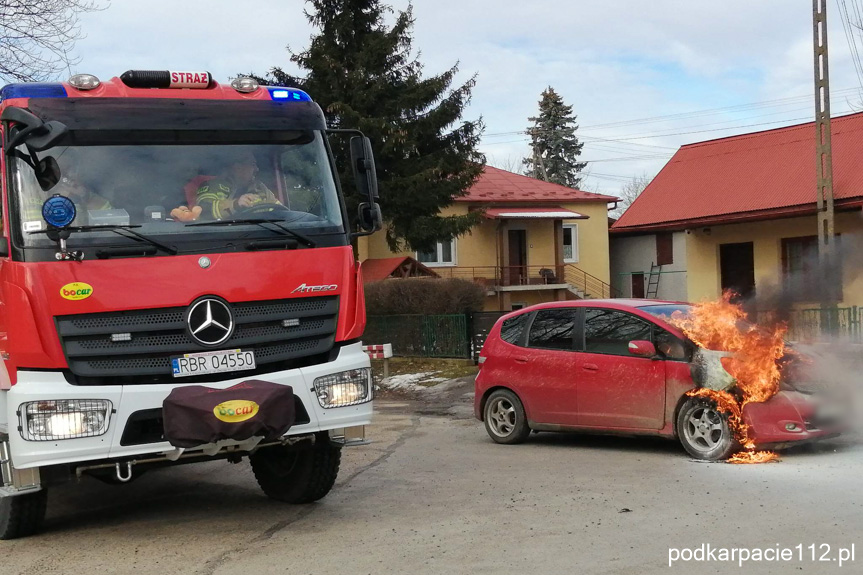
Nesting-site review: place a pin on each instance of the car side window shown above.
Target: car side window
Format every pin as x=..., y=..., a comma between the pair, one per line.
x=669, y=346
x=552, y=329
x=513, y=328
x=610, y=331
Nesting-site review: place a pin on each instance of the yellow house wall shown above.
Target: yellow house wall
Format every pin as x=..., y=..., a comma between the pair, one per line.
x=480, y=248
x=702, y=252
x=593, y=250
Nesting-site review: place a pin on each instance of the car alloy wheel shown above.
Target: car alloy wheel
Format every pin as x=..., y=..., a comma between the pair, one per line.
x=505, y=420
x=704, y=431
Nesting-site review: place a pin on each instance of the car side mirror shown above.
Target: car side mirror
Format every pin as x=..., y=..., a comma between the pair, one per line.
x=642, y=348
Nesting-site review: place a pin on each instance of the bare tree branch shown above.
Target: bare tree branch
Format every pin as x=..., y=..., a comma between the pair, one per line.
x=37, y=37
x=627, y=194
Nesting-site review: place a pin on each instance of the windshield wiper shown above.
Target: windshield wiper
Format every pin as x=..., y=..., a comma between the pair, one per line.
x=116, y=228
x=305, y=240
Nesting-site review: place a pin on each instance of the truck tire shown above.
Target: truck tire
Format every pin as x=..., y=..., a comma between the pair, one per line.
x=22, y=515
x=297, y=474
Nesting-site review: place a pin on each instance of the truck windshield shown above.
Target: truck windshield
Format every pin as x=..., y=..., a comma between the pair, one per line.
x=159, y=189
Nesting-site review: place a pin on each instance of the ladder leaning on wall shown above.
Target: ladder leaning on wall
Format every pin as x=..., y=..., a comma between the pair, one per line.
x=653, y=280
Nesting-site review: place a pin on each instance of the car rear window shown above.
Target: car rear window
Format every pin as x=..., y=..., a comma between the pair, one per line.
x=552, y=329
x=513, y=328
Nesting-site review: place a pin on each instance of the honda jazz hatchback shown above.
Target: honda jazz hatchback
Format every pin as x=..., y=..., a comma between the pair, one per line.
x=617, y=366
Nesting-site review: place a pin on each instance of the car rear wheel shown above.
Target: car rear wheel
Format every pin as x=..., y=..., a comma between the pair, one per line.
x=505, y=420
x=704, y=431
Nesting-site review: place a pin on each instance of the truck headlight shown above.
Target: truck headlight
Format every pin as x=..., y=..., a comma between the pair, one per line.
x=344, y=388
x=55, y=419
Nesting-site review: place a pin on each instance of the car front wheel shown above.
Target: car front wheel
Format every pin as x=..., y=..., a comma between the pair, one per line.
x=505, y=420
x=704, y=431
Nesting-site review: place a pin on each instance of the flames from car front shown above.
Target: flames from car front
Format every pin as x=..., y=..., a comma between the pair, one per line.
x=751, y=363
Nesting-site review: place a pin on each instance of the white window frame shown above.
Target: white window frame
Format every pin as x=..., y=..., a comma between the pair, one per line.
x=439, y=263
x=574, y=259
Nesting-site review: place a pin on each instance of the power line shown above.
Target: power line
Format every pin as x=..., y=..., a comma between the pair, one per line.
x=847, y=27
x=791, y=100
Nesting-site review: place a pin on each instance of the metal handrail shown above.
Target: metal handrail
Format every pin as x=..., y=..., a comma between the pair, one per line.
x=506, y=276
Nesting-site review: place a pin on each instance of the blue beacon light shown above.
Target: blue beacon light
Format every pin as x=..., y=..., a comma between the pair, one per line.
x=58, y=211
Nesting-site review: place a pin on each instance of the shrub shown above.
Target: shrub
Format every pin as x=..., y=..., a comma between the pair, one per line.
x=426, y=296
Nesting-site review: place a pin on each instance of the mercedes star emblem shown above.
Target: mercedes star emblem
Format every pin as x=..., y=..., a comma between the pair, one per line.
x=204, y=262
x=210, y=322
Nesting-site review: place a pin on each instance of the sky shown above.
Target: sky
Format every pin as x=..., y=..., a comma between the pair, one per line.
x=643, y=77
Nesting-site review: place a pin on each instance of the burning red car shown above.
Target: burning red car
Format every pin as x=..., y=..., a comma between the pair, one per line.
x=622, y=366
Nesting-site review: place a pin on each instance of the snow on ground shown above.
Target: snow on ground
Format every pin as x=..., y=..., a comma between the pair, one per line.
x=422, y=381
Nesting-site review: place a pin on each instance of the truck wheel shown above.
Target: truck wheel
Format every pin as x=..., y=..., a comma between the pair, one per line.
x=22, y=515
x=704, y=431
x=297, y=474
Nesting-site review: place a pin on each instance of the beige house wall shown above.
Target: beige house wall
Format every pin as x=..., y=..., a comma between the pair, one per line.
x=702, y=251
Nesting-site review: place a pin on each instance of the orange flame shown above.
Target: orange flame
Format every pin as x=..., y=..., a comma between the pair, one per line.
x=722, y=325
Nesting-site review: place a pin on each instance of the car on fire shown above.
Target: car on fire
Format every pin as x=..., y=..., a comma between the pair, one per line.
x=619, y=366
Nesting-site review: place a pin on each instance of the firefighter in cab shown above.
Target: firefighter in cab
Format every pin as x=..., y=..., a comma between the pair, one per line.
x=236, y=190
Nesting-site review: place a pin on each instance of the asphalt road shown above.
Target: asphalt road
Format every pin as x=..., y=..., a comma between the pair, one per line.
x=433, y=494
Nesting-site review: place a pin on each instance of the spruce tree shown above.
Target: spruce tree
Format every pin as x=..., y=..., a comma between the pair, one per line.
x=365, y=75
x=554, y=145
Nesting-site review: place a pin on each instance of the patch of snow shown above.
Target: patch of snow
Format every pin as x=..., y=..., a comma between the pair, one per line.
x=411, y=381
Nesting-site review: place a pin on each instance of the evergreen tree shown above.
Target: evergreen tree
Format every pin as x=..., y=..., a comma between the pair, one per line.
x=364, y=75
x=554, y=146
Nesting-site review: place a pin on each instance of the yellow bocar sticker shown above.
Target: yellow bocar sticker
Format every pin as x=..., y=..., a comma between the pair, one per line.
x=76, y=290
x=236, y=410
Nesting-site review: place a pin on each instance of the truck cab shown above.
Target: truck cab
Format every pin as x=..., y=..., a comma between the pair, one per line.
x=177, y=284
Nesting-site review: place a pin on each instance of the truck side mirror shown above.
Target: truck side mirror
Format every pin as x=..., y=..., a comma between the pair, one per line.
x=363, y=164
x=37, y=134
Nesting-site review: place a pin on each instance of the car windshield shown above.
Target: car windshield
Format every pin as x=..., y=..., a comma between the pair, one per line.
x=160, y=189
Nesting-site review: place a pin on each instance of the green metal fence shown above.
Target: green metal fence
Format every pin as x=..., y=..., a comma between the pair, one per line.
x=420, y=335
x=810, y=325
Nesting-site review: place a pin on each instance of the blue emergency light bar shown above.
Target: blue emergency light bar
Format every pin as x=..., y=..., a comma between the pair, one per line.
x=33, y=90
x=290, y=94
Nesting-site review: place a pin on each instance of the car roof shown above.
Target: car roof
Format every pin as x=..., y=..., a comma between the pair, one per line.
x=617, y=303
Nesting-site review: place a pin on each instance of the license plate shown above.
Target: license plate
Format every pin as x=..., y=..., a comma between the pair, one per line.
x=212, y=362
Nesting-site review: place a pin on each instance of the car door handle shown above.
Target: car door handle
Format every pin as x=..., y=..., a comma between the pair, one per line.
x=590, y=367
x=520, y=359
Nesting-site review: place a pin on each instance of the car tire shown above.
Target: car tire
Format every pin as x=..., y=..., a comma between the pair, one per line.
x=22, y=515
x=299, y=473
x=505, y=420
x=704, y=431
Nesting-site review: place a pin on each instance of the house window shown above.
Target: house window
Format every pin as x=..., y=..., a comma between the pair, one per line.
x=664, y=249
x=800, y=270
x=570, y=243
x=443, y=255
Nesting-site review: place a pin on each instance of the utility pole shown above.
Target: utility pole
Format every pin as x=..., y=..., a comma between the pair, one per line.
x=538, y=163
x=823, y=155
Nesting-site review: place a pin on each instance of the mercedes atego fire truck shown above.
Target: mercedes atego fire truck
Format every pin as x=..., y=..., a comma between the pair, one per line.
x=177, y=284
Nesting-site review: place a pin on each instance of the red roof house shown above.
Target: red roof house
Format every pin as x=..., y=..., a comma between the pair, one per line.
x=758, y=176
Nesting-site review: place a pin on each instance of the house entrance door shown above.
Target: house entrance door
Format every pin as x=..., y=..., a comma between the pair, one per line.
x=737, y=269
x=517, y=270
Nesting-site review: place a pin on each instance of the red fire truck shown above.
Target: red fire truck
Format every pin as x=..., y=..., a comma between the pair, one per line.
x=177, y=284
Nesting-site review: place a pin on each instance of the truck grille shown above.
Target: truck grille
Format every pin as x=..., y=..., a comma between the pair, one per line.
x=159, y=334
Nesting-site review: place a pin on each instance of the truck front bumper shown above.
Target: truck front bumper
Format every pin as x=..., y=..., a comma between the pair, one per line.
x=130, y=399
